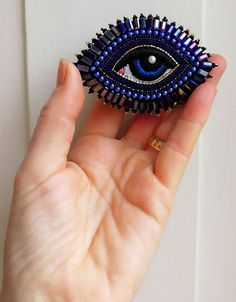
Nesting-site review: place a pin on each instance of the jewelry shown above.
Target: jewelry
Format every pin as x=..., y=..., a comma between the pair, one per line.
x=156, y=143
x=144, y=64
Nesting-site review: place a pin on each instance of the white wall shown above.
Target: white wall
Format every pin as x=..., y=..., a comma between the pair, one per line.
x=195, y=261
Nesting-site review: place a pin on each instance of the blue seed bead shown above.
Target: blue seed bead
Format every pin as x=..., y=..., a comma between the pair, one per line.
x=129, y=93
x=93, y=68
x=183, y=49
x=124, y=37
x=130, y=33
x=101, y=79
x=143, y=32
x=106, y=82
x=193, y=69
x=175, y=86
x=114, y=44
x=168, y=38
x=101, y=58
x=188, y=53
x=155, y=32
x=123, y=91
x=170, y=90
x=136, y=32
x=165, y=93
x=189, y=74
x=178, y=45
x=173, y=41
x=134, y=96
x=162, y=34
x=117, y=89
x=197, y=64
x=159, y=95
x=97, y=74
x=97, y=63
x=109, y=48
x=119, y=40
x=185, y=79
x=147, y=97
x=180, y=83
x=105, y=53
x=112, y=86
x=141, y=96
x=153, y=97
x=192, y=58
x=149, y=31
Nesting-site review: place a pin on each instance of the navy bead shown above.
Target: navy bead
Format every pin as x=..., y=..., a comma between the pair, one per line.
x=122, y=91
x=159, y=95
x=143, y=32
x=147, y=97
x=178, y=45
x=175, y=86
x=162, y=34
x=105, y=53
x=168, y=38
x=173, y=41
x=192, y=58
x=170, y=90
x=119, y=40
x=114, y=44
x=193, y=69
x=109, y=48
x=97, y=74
x=93, y=68
x=153, y=97
x=183, y=49
x=130, y=34
x=185, y=79
x=124, y=37
x=112, y=86
x=188, y=53
x=117, y=89
x=189, y=74
x=101, y=58
x=129, y=94
x=165, y=93
x=136, y=32
x=134, y=95
x=149, y=31
x=106, y=82
x=180, y=83
x=197, y=64
x=101, y=79
x=155, y=32
x=141, y=96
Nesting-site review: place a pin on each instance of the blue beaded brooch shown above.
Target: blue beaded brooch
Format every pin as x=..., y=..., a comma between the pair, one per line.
x=144, y=64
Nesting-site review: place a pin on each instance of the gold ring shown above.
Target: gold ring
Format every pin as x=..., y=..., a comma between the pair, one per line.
x=156, y=143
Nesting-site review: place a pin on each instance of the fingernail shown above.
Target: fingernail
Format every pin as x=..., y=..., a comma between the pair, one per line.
x=61, y=73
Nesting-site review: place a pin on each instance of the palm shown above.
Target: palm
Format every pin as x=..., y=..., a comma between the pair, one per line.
x=90, y=217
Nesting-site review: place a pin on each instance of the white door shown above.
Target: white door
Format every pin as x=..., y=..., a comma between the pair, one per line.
x=196, y=259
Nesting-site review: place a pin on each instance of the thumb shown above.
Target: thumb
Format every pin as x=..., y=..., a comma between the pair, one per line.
x=52, y=137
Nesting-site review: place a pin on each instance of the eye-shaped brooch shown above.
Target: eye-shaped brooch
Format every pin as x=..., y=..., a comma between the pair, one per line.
x=144, y=64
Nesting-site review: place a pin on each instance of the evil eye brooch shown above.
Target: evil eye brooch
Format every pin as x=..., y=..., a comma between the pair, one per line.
x=144, y=64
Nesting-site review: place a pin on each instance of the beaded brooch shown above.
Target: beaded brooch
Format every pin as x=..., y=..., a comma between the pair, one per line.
x=144, y=64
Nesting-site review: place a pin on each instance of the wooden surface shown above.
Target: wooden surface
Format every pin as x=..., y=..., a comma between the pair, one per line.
x=196, y=258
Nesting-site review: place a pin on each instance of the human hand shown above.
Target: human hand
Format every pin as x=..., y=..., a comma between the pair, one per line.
x=86, y=219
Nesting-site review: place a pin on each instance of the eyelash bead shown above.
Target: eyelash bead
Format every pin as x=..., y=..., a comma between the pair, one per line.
x=144, y=64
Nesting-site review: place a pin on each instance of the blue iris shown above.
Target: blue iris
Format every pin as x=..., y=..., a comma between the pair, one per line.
x=144, y=73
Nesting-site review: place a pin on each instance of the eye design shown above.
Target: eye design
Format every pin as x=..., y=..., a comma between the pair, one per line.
x=144, y=64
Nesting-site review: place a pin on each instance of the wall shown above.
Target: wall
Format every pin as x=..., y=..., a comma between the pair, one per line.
x=195, y=261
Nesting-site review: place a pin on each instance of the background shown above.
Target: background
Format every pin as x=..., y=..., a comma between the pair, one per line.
x=196, y=259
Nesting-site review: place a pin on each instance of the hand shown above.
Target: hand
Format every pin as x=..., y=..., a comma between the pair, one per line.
x=86, y=220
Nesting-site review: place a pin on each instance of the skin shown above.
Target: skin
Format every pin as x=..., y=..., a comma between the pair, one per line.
x=87, y=218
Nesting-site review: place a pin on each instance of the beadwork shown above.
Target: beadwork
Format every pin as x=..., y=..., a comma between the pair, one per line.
x=144, y=64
